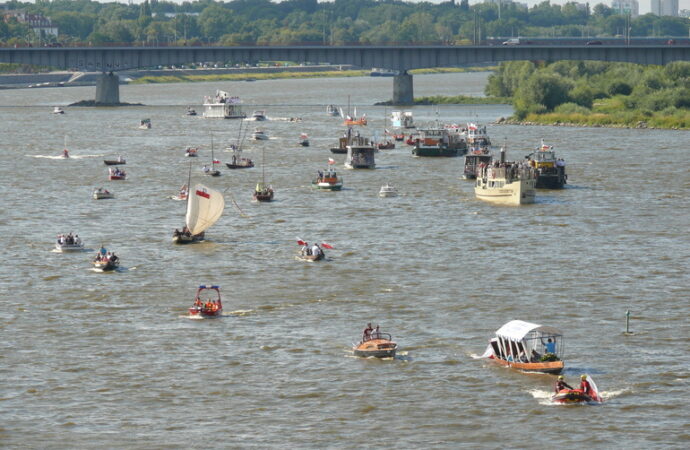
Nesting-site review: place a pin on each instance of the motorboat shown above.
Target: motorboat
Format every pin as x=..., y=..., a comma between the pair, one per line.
x=223, y=106
x=115, y=173
x=332, y=110
x=376, y=345
x=191, y=152
x=360, y=157
x=402, y=119
x=259, y=115
x=259, y=135
x=549, y=169
x=207, y=303
x=263, y=192
x=528, y=347
x=190, y=111
x=304, y=140
x=204, y=208
x=115, y=162
x=58, y=110
x=505, y=183
x=102, y=194
x=387, y=190
x=66, y=243
x=328, y=180
x=145, y=124
x=575, y=396
x=106, y=262
x=312, y=253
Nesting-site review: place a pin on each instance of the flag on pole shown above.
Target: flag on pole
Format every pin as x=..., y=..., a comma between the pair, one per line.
x=216, y=161
x=326, y=245
x=301, y=242
x=331, y=161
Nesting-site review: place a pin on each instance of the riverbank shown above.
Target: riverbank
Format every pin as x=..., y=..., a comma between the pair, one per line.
x=639, y=121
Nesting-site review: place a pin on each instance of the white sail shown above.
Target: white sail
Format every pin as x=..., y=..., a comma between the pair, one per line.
x=204, y=208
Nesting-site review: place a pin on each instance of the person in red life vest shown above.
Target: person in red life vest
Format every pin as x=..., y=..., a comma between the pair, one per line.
x=585, y=386
x=366, y=334
x=561, y=384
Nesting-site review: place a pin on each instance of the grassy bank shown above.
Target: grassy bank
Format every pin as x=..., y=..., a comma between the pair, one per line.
x=183, y=78
x=620, y=120
x=461, y=100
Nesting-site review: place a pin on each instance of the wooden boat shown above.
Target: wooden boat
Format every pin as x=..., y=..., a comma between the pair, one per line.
x=223, y=106
x=102, y=194
x=388, y=190
x=259, y=115
x=115, y=173
x=505, y=183
x=191, y=152
x=115, y=162
x=527, y=346
x=328, y=180
x=304, y=140
x=263, y=192
x=68, y=243
x=549, y=169
x=378, y=345
x=106, y=263
x=204, y=208
x=145, y=124
x=207, y=304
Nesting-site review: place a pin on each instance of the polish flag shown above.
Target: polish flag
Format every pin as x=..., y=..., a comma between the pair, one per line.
x=326, y=245
x=331, y=161
x=203, y=193
x=301, y=242
x=216, y=161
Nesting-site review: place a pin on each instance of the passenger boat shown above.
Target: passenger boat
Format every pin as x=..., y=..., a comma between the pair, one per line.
x=115, y=162
x=66, y=243
x=223, y=106
x=388, y=190
x=360, y=157
x=402, y=119
x=145, y=124
x=550, y=170
x=477, y=139
x=349, y=139
x=115, y=173
x=332, y=110
x=259, y=115
x=473, y=160
x=207, y=303
x=191, y=152
x=328, y=180
x=204, y=208
x=106, y=263
x=439, y=141
x=574, y=396
x=505, y=183
x=58, y=110
x=527, y=346
x=377, y=345
x=190, y=111
x=304, y=140
x=263, y=192
x=259, y=135
x=102, y=194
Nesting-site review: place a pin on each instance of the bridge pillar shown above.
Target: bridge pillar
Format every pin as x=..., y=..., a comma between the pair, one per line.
x=402, y=89
x=108, y=89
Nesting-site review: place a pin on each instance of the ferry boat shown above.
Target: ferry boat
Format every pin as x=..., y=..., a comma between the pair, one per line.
x=402, y=119
x=526, y=346
x=505, y=183
x=360, y=157
x=209, y=308
x=223, y=106
x=550, y=170
x=377, y=345
x=439, y=142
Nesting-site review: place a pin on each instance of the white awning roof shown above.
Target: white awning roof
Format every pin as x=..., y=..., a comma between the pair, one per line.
x=516, y=330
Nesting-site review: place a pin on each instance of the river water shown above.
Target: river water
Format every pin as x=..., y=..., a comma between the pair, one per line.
x=109, y=360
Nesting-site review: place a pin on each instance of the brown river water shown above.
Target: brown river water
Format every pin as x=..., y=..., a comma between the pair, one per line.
x=93, y=360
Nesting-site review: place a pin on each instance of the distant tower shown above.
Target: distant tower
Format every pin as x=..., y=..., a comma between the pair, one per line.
x=665, y=7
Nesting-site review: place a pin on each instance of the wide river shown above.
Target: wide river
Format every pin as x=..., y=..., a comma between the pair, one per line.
x=93, y=360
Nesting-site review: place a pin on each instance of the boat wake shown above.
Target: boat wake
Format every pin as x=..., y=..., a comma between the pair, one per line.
x=71, y=156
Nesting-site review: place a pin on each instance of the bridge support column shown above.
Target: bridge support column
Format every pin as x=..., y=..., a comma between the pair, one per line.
x=402, y=89
x=108, y=89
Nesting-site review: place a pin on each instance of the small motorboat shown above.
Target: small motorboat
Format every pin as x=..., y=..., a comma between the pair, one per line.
x=114, y=162
x=190, y=111
x=259, y=135
x=191, y=152
x=145, y=124
x=304, y=140
x=106, y=262
x=312, y=253
x=58, y=110
x=388, y=145
x=388, y=190
x=115, y=173
x=332, y=110
x=182, y=195
x=69, y=243
x=399, y=137
x=263, y=192
x=377, y=345
x=102, y=194
x=207, y=303
x=259, y=115
x=328, y=180
x=568, y=395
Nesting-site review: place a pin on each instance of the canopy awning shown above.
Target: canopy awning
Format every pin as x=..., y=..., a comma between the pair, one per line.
x=516, y=330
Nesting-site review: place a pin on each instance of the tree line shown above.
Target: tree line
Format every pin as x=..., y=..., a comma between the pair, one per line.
x=341, y=22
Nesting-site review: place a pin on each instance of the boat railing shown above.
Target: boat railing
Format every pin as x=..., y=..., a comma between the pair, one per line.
x=377, y=335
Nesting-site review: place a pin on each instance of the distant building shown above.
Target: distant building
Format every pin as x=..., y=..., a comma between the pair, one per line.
x=631, y=7
x=665, y=7
x=684, y=13
x=40, y=24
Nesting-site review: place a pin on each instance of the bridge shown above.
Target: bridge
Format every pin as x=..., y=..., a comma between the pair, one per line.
x=400, y=58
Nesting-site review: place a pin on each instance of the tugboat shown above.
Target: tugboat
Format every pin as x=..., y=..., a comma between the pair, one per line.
x=550, y=170
x=375, y=344
x=211, y=307
x=505, y=183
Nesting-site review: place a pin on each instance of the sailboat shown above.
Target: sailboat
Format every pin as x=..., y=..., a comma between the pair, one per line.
x=204, y=208
x=212, y=171
x=386, y=143
x=238, y=161
x=263, y=192
x=352, y=120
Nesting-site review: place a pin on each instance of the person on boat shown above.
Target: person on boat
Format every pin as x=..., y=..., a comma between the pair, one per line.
x=113, y=258
x=206, y=169
x=320, y=175
x=561, y=384
x=585, y=386
x=376, y=334
x=316, y=251
x=65, y=153
x=366, y=334
x=550, y=346
x=306, y=251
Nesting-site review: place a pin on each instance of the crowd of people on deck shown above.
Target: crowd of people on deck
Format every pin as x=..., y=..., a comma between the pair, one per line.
x=313, y=250
x=209, y=306
x=105, y=256
x=117, y=172
x=370, y=333
x=185, y=232
x=508, y=170
x=329, y=174
x=68, y=239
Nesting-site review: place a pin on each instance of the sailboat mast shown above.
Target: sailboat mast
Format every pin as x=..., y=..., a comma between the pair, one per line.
x=189, y=190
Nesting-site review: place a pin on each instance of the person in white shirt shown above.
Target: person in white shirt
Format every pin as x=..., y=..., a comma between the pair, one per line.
x=316, y=250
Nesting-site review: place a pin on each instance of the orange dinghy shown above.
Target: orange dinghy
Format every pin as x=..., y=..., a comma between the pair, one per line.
x=377, y=344
x=528, y=347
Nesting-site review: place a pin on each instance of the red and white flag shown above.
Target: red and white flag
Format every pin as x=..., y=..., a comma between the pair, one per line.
x=216, y=161
x=203, y=193
x=331, y=161
x=326, y=245
x=301, y=242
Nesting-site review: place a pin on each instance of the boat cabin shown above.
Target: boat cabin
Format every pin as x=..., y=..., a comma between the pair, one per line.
x=527, y=346
x=360, y=157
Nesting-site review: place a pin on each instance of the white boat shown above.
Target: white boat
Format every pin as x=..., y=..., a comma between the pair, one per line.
x=259, y=115
x=388, y=190
x=191, y=152
x=332, y=110
x=506, y=183
x=259, y=135
x=223, y=106
x=145, y=124
x=102, y=194
x=58, y=110
x=402, y=119
x=204, y=208
x=67, y=243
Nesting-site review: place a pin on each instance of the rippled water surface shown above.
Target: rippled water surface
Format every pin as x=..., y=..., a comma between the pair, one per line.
x=109, y=360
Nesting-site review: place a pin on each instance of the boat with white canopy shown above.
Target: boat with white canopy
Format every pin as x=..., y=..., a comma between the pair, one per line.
x=527, y=346
x=204, y=208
